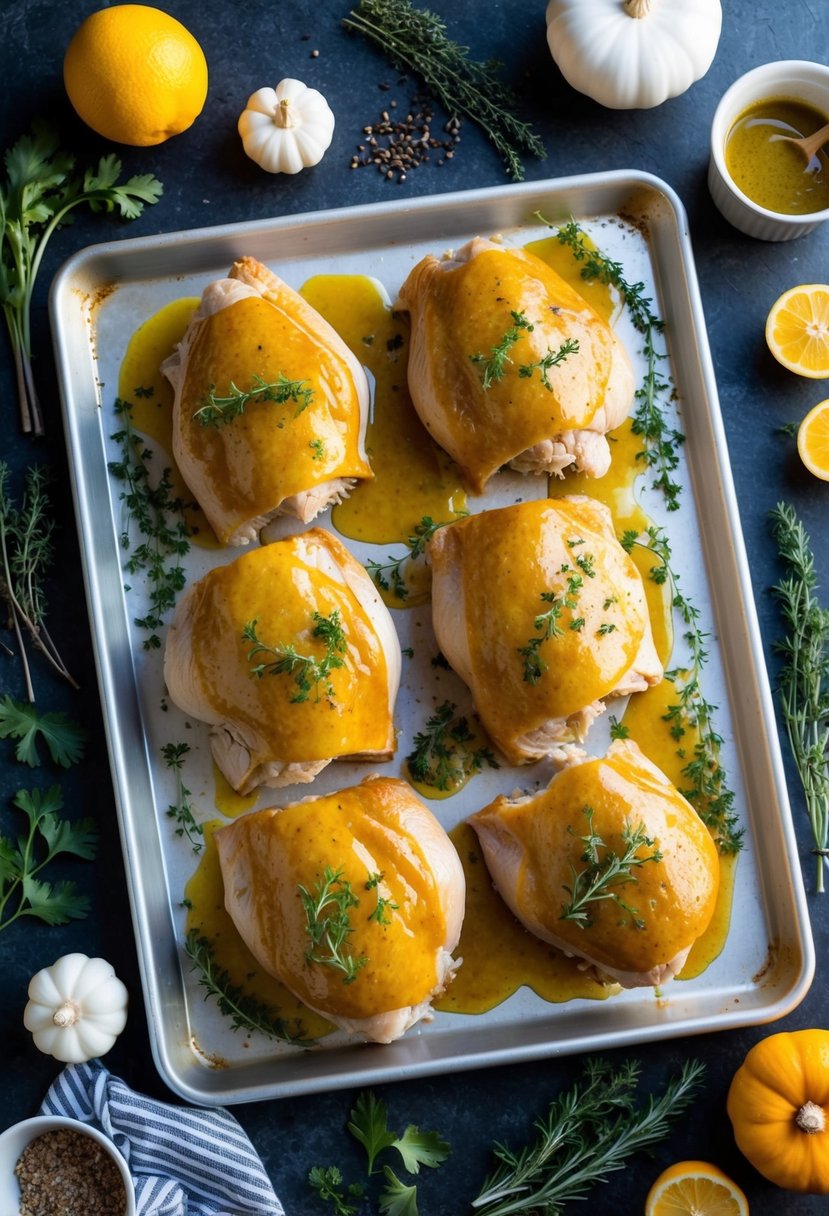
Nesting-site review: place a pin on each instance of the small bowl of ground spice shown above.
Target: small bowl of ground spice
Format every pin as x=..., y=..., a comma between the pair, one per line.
x=51, y=1166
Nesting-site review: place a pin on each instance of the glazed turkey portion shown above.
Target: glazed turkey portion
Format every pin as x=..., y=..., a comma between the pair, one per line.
x=489, y=409
x=542, y=613
x=291, y=450
x=642, y=925
x=374, y=854
x=291, y=656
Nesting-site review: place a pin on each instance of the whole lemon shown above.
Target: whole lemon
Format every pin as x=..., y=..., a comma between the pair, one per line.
x=135, y=75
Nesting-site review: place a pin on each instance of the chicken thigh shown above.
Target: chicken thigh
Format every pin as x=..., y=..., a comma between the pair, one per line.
x=609, y=863
x=508, y=364
x=354, y=901
x=291, y=656
x=542, y=613
x=271, y=407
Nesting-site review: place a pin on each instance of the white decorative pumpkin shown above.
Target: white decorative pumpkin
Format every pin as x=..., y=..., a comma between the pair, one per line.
x=287, y=128
x=633, y=54
x=76, y=1009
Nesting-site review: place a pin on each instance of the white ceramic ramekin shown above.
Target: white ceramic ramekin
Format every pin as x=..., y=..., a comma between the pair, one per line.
x=796, y=80
x=15, y=1138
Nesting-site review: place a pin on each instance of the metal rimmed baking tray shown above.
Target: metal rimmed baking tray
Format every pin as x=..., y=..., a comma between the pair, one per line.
x=98, y=299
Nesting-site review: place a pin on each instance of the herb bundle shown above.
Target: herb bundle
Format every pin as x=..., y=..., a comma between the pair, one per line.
x=38, y=195
x=25, y=554
x=416, y=39
x=804, y=675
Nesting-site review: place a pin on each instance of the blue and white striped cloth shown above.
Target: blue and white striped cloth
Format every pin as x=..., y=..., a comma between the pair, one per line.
x=184, y=1160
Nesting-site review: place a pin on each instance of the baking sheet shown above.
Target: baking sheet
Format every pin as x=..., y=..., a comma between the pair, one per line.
x=98, y=299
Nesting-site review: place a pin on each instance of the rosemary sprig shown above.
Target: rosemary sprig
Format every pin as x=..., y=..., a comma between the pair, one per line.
x=442, y=757
x=551, y=359
x=416, y=39
x=181, y=810
x=708, y=790
x=328, y=924
x=605, y=871
x=244, y=1011
x=587, y=1133
x=157, y=515
x=494, y=365
x=661, y=440
x=217, y=411
x=804, y=674
x=25, y=555
x=310, y=674
x=391, y=575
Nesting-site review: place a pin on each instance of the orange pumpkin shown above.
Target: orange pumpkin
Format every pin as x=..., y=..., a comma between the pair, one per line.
x=778, y=1105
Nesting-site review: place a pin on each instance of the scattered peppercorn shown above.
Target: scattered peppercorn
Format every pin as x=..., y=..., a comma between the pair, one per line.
x=67, y=1173
x=398, y=145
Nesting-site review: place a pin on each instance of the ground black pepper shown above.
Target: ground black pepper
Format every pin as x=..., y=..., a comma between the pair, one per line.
x=396, y=145
x=67, y=1173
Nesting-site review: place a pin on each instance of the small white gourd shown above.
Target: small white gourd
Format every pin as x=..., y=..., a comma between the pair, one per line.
x=287, y=128
x=633, y=54
x=76, y=1008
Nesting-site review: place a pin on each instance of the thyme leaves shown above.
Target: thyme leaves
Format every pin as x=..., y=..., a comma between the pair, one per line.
x=217, y=411
x=391, y=575
x=494, y=365
x=328, y=924
x=181, y=811
x=445, y=754
x=310, y=674
x=606, y=870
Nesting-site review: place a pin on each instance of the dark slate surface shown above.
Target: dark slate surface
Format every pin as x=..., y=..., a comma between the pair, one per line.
x=208, y=180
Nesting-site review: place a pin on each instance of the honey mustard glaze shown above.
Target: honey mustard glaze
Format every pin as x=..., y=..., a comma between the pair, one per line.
x=413, y=479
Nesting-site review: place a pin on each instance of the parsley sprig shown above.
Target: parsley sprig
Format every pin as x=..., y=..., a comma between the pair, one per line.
x=37, y=197
x=63, y=736
x=442, y=757
x=158, y=515
x=244, y=1011
x=416, y=39
x=708, y=790
x=661, y=440
x=25, y=555
x=23, y=892
x=328, y=924
x=804, y=673
x=310, y=674
x=218, y=411
x=605, y=871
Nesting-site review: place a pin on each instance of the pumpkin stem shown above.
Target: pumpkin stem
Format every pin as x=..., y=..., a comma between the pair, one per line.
x=283, y=114
x=811, y=1118
x=639, y=8
x=68, y=1014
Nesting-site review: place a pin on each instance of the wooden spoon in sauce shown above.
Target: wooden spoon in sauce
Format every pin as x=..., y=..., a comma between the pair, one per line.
x=809, y=145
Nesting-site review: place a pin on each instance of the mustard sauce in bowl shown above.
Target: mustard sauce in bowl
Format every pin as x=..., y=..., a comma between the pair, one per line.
x=770, y=171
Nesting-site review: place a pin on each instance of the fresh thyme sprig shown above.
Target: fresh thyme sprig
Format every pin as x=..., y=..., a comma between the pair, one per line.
x=588, y=1133
x=494, y=365
x=708, y=791
x=39, y=193
x=328, y=924
x=217, y=411
x=158, y=516
x=244, y=1011
x=181, y=810
x=442, y=757
x=548, y=624
x=25, y=555
x=661, y=439
x=804, y=674
x=605, y=871
x=310, y=674
x=551, y=359
x=416, y=39
x=391, y=575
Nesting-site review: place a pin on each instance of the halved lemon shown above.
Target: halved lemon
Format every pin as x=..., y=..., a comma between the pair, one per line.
x=695, y=1188
x=797, y=330
x=813, y=440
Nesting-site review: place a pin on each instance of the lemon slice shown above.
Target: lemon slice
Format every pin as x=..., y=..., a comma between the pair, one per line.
x=695, y=1188
x=797, y=330
x=813, y=440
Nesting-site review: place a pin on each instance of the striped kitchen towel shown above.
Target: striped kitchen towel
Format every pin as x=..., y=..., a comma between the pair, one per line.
x=184, y=1160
